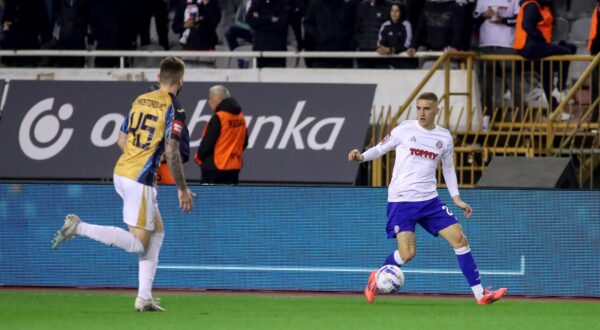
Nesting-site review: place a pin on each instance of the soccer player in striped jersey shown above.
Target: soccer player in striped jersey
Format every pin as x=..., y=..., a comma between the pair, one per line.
x=154, y=125
x=413, y=197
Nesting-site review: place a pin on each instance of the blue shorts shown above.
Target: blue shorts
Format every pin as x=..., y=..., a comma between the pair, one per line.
x=433, y=215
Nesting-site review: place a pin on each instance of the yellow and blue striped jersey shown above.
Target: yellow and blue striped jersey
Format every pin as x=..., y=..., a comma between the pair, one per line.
x=154, y=117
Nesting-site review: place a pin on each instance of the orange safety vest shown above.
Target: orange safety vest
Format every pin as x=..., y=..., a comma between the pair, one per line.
x=545, y=25
x=593, y=27
x=230, y=143
x=163, y=175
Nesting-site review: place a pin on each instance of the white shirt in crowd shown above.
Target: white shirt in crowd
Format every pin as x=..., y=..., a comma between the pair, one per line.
x=497, y=34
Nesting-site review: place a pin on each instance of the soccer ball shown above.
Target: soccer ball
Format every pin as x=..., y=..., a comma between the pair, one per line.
x=389, y=279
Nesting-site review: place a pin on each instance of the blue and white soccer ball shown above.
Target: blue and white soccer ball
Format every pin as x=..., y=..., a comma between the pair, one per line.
x=389, y=279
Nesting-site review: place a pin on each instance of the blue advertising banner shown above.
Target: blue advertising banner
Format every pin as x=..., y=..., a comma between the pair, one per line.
x=535, y=242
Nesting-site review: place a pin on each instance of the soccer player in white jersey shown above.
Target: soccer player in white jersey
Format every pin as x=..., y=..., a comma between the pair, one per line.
x=413, y=198
x=154, y=126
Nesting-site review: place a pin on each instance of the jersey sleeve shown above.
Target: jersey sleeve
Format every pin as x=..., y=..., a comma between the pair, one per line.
x=125, y=125
x=388, y=143
x=175, y=122
x=448, y=169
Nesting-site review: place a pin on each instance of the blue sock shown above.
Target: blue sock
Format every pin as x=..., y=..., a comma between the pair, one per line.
x=394, y=259
x=467, y=265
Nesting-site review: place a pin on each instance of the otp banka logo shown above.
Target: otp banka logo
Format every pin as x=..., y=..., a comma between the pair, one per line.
x=40, y=134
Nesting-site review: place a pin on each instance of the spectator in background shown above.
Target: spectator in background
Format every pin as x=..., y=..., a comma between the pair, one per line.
x=196, y=21
x=533, y=39
x=72, y=18
x=269, y=20
x=113, y=28
x=496, y=20
x=329, y=26
x=440, y=28
x=1, y=20
x=594, y=48
x=467, y=7
x=395, y=37
x=297, y=12
x=413, y=10
x=25, y=25
x=224, y=139
x=157, y=9
x=240, y=29
x=370, y=15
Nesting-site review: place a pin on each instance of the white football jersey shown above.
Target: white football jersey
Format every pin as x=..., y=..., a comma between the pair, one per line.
x=418, y=151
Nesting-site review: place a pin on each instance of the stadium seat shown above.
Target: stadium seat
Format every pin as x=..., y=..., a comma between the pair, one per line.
x=582, y=6
x=561, y=30
x=236, y=62
x=580, y=31
x=578, y=36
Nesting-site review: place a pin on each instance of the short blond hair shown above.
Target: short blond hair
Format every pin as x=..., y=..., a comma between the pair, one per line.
x=171, y=70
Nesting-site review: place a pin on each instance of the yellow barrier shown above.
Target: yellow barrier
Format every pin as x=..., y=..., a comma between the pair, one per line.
x=527, y=119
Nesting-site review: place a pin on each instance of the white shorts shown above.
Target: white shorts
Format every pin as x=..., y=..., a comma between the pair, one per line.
x=140, y=208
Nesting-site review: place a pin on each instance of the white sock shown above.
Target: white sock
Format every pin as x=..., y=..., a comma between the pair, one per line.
x=111, y=236
x=477, y=291
x=398, y=258
x=147, y=265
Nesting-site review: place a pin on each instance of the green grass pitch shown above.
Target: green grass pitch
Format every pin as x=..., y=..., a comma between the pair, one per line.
x=51, y=309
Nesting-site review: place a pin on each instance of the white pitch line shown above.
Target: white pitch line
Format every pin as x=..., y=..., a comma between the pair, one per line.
x=520, y=272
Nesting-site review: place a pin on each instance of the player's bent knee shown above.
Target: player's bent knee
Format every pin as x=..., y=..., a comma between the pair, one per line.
x=463, y=241
x=407, y=255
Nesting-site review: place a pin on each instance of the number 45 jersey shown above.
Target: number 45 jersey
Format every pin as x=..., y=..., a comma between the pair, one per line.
x=154, y=117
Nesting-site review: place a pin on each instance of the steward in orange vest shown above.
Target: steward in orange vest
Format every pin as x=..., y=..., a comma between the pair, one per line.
x=594, y=48
x=533, y=22
x=533, y=40
x=223, y=140
x=594, y=42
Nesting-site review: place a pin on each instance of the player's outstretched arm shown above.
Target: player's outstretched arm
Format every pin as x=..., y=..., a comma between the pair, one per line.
x=176, y=167
x=468, y=211
x=355, y=156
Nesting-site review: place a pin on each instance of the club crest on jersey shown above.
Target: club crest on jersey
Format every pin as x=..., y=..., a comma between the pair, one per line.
x=439, y=144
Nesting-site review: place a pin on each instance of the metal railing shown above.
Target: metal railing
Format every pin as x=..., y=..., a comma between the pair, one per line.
x=208, y=55
x=527, y=123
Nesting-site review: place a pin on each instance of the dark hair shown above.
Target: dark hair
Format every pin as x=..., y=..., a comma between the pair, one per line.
x=402, y=8
x=171, y=70
x=429, y=97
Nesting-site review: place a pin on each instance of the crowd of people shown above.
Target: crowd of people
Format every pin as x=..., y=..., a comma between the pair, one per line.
x=382, y=26
x=385, y=27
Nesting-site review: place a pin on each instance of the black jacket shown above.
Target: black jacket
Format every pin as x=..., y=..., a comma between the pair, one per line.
x=269, y=35
x=73, y=18
x=441, y=25
x=395, y=35
x=329, y=25
x=29, y=24
x=368, y=22
x=206, y=151
x=113, y=24
x=203, y=35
